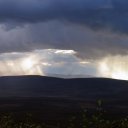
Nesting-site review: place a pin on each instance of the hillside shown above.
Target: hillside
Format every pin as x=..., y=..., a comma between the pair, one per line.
x=40, y=86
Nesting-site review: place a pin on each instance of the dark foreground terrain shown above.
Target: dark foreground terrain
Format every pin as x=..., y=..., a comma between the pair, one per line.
x=53, y=111
x=59, y=108
x=55, y=100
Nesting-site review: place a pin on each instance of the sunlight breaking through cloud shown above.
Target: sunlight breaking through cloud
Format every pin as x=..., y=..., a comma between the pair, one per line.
x=114, y=67
x=19, y=64
x=45, y=62
x=65, y=52
x=57, y=62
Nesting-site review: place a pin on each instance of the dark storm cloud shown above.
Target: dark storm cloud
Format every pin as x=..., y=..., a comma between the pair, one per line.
x=58, y=35
x=86, y=26
x=96, y=14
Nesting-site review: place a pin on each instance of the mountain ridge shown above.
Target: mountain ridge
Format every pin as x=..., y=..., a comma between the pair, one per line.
x=81, y=88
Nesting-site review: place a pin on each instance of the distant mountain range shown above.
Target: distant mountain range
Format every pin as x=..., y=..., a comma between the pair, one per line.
x=68, y=76
x=79, y=88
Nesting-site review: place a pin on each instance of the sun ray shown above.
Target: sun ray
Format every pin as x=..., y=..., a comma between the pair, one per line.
x=114, y=67
x=27, y=63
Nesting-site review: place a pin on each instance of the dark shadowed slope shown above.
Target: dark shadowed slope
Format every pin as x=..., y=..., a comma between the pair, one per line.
x=39, y=86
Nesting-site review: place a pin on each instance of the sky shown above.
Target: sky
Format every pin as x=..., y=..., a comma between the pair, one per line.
x=66, y=38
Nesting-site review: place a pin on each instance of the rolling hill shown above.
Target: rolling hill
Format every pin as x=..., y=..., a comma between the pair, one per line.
x=81, y=88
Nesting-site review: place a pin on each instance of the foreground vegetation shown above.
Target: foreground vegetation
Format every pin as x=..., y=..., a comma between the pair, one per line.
x=96, y=119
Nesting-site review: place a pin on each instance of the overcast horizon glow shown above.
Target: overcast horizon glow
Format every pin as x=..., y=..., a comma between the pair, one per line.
x=52, y=62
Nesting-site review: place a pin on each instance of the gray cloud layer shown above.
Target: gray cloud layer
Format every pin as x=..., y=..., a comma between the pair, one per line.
x=86, y=26
x=58, y=35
